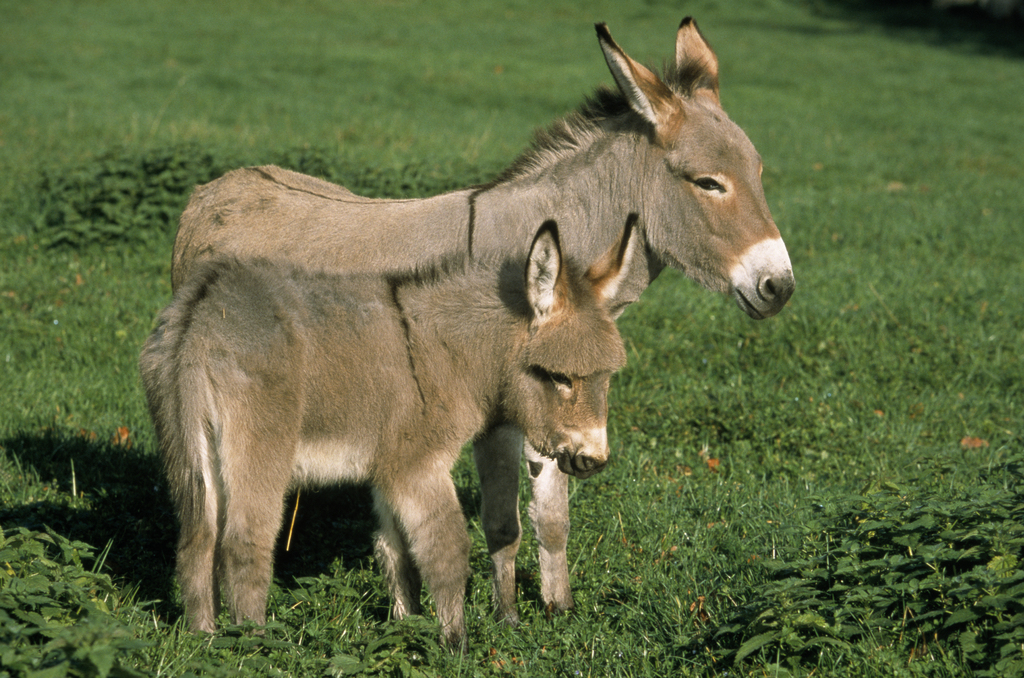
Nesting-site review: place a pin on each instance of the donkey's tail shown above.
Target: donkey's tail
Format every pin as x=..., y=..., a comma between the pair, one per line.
x=178, y=392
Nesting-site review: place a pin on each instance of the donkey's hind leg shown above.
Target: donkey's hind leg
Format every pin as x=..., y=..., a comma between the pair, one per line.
x=196, y=570
x=255, y=487
x=498, y=458
x=549, y=511
x=391, y=549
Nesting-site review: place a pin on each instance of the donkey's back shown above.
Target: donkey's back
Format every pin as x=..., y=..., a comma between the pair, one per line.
x=268, y=211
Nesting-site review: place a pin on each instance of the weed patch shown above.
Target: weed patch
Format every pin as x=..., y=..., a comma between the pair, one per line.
x=58, y=616
x=931, y=574
x=130, y=196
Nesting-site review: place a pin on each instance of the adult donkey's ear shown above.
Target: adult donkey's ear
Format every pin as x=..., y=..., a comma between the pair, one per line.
x=542, y=272
x=608, y=272
x=645, y=92
x=696, y=62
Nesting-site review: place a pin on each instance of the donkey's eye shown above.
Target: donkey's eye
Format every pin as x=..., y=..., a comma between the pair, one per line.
x=709, y=184
x=560, y=380
x=556, y=378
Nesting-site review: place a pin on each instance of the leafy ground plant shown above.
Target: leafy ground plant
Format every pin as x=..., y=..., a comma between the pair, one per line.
x=128, y=196
x=58, y=617
x=935, y=573
x=936, y=576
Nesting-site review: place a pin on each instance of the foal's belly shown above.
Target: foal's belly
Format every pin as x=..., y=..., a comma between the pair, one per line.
x=329, y=461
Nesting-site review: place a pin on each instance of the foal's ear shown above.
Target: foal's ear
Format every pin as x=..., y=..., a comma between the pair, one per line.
x=695, y=58
x=542, y=271
x=611, y=269
x=645, y=92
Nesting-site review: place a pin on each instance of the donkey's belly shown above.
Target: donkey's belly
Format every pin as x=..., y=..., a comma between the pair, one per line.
x=327, y=461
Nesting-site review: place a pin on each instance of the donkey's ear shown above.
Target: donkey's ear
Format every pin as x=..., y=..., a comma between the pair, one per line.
x=645, y=92
x=695, y=58
x=542, y=271
x=611, y=269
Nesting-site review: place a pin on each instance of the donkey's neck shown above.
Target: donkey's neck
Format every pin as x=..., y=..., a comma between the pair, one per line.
x=591, y=193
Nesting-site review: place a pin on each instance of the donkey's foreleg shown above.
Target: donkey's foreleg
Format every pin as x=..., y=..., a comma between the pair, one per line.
x=497, y=456
x=549, y=512
x=391, y=549
x=429, y=514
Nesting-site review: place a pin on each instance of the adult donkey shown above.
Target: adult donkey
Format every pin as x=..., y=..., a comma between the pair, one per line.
x=260, y=376
x=657, y=152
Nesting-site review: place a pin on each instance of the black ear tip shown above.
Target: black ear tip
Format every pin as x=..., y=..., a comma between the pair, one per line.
x=687, y=21
x=602, y=31
x=627, y=233
x=630, y=225
x=549, y=226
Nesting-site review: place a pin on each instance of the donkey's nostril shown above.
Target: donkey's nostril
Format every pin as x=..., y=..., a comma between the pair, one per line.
x=776, y=288
x=585, y=466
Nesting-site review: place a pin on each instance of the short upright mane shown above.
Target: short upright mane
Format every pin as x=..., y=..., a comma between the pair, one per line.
x=582, y=127
x=575, y=131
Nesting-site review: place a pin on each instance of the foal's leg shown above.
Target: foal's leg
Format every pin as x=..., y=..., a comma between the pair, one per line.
x=196, y=570
x=428, y=512
x=256, y=472
x=392, y=552
x=549, y=511
x=497, y=457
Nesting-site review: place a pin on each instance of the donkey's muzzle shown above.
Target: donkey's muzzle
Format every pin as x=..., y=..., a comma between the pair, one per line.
x=582, y=458
x=762, y=281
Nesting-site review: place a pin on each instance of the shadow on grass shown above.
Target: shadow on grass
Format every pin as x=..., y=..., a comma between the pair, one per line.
x=121, y=501
x=330, y=523
x=961, y=27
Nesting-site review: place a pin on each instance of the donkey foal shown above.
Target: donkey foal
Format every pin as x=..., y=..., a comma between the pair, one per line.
x=262, y=377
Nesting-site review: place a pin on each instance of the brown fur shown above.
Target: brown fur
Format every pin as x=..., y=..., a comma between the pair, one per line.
x=261, y=377
x=638, y=153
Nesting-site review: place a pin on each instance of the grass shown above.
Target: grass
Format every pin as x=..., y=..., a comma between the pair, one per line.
x=835, y=491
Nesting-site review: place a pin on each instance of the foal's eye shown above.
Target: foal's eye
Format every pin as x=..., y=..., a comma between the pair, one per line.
x=560, y=380
x=709, y=184
x=556, y=378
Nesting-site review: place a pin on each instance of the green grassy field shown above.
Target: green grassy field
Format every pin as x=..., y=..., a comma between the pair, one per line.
x=836, y=491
